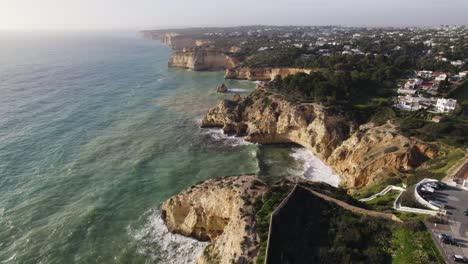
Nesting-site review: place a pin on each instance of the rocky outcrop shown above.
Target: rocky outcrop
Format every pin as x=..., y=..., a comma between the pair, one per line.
x=261, y=73
x=361, y=155
x=222, y=88
x=220, y=211
x=202, y=60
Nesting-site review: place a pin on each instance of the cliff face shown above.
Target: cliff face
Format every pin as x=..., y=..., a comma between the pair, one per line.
x=221, y=211
x=177, y=41
x=202, y=60
x=261, y=74
x=361, y=155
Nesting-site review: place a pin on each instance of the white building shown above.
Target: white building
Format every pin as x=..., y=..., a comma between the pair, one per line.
x=413, y=103
x=406, y=91
x=413, y=83
x=457, y=63
x=446, y=105
x=424, y=74
x=441, y=77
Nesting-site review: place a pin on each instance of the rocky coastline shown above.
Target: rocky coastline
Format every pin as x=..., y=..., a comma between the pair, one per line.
x=199, y=59
x=261, y=73
x=220, y=211
x=361, y=154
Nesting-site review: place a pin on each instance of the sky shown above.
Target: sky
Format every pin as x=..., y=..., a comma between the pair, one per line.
x=95, y=15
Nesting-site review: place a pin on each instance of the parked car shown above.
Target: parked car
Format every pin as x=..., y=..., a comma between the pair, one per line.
x=442, y=185
x=466, y=212
x=442, y=235
x=436, y=203
x=450, y=241
x=460, y=258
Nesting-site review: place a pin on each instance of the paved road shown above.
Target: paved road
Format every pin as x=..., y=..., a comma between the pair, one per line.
x=455, y=201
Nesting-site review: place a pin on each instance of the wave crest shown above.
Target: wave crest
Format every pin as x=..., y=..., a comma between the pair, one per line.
x=156, y=242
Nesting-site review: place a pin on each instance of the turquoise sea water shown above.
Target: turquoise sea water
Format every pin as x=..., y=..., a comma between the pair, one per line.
x=95, y=132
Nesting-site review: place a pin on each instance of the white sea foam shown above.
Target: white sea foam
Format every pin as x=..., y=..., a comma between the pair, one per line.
x=238, y=90
x=230, y=140
x=157, y=243
x=314, y=169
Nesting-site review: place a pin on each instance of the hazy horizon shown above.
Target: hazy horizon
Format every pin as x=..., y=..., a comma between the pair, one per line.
x=122, y=15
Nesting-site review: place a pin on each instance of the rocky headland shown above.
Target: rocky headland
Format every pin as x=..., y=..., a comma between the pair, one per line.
x=261, y=73
x=360, y=154
x=220, y=211
x=199, y=59
x=233, y=214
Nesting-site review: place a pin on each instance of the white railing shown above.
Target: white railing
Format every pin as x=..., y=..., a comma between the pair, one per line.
x=422, y=200
x=397, y=205
x=383, y=192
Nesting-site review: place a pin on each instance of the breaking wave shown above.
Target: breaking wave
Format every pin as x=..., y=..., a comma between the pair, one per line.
x=156, y=242
x=314, y=169
x=218, y=135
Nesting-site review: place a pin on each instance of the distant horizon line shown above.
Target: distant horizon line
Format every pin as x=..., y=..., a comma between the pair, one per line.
x=116, y=30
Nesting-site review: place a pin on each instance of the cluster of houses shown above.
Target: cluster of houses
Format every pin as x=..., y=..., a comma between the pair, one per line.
x=426, y=83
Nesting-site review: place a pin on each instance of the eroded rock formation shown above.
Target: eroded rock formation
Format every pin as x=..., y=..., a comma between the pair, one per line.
x=222, y=88
x=202, y=60
x=220, y=211
x=361, y=155
x=261, y=73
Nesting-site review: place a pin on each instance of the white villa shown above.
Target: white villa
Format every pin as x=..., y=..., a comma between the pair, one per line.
x=413, y=83
x=446, y=105
x=424, y=74
x=441, y=77
x=406, y=91
x=413, y=103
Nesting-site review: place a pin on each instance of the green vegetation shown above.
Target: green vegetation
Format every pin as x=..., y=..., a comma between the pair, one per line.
x=384, y=203
x=281, y=57
x=335, y=87
x=407, y=198
x=375, y=188
x=414, y=246
x=436, y=168
x=331, y=234
x=211, y=257
x=452, y=131
x=265, y=207
x=443, y=164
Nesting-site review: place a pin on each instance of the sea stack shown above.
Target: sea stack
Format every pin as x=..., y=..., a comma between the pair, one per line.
x=222, y=88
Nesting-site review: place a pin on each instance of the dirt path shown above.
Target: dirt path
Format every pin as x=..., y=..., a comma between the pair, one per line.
x=460, y=170
x=356, y=209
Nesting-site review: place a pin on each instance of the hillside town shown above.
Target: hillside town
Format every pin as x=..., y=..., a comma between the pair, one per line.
x=422, y=92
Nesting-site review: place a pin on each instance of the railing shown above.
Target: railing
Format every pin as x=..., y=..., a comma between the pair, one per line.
x=422, y=200
x=383, y=192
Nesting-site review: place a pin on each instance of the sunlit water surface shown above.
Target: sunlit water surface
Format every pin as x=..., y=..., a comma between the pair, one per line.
x=95, y=132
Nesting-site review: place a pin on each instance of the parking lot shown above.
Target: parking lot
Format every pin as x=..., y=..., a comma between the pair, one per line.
x=455, y=201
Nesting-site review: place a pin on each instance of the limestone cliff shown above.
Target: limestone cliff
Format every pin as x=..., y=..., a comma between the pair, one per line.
x=261, y=73
x=361, y=155
x=202, y=60
x=220, y=211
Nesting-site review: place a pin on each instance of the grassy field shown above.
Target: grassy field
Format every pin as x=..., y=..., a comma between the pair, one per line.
x=452, y=158
x=373, y=189
x=416, y=247
x=384, y=203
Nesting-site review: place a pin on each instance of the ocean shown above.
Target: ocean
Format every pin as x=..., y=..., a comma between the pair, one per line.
x=96, y=132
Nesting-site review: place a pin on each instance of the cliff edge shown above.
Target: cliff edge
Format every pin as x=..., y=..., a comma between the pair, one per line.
x=360, y=154
x=220, y=211
x=261, y=73
x=202, y=60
